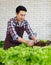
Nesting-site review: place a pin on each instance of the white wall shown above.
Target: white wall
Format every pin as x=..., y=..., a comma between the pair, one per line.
x=38, y=16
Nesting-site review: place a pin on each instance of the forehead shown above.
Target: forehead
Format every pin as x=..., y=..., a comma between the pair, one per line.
x=22, y=12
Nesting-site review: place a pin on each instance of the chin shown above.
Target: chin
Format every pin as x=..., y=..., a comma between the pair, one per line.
x=21, y=20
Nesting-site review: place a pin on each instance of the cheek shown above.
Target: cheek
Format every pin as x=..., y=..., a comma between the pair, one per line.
x=23, y=17
x=19, y=17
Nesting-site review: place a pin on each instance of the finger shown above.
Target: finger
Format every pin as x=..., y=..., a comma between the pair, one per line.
x=37, y=40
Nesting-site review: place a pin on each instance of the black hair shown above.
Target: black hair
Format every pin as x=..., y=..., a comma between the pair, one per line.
x=20, y=8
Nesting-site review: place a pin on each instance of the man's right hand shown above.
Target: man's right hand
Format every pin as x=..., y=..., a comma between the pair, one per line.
x=30, y=43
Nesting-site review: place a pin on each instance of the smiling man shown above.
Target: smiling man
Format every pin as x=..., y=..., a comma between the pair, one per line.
x=15, y=30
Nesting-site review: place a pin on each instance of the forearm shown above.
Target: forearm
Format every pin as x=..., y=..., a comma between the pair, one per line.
x=33, y=37
x=22, y=40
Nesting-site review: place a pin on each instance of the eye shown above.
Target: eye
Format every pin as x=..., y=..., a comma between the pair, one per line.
x=22, y=15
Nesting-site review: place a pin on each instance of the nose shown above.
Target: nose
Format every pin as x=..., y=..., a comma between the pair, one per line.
x=23, y=17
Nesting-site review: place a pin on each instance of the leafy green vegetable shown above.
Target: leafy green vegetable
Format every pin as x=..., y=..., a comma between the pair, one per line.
x=1, y=44
x=43, y=40
x=24, y=55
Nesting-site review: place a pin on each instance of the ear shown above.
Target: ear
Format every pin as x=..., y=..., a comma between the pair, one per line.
x=16, y=14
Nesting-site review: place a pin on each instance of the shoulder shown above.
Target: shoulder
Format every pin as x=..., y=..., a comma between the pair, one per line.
x=11, y=20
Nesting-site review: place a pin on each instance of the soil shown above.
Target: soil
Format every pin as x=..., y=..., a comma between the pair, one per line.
x=40, y=43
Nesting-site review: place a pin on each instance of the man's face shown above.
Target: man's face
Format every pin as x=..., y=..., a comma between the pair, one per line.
x=21, y=16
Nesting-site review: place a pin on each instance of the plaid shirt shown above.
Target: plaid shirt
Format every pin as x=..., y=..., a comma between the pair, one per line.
x=11, y=28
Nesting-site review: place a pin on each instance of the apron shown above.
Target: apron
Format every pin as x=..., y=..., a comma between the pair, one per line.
x=9, y=42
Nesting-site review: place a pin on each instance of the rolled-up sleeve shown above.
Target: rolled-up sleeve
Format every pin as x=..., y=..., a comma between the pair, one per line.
x=29, y=30
x=12, y=31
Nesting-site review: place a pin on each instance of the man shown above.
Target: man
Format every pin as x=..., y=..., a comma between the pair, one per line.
x=15, y=29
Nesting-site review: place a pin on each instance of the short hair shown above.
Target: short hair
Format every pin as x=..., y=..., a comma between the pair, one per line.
x=20, y=8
